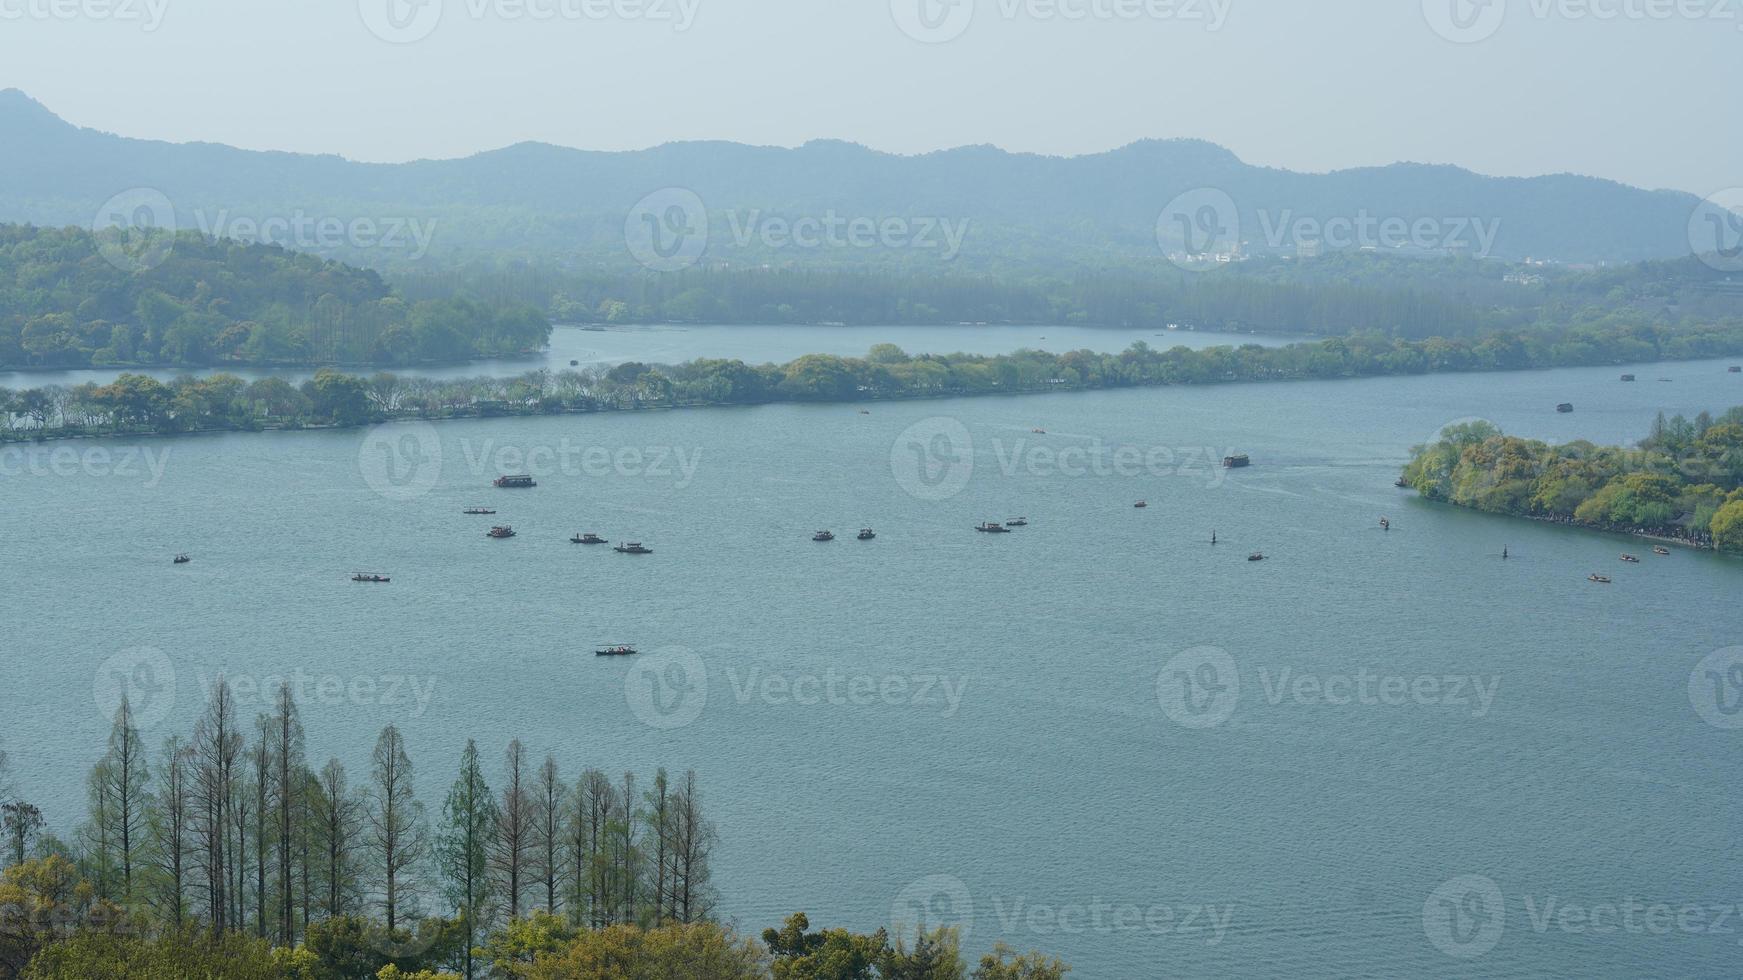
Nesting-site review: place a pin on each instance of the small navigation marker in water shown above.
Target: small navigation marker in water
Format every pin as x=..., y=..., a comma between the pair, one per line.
x=1503, y=551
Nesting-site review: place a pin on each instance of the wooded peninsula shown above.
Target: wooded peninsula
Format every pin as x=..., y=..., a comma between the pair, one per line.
x=139, y=404
x=1683, y=482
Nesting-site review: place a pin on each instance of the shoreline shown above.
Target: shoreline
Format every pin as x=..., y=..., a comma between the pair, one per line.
x=35, y=436
x=1641, y=534
x=9, y=437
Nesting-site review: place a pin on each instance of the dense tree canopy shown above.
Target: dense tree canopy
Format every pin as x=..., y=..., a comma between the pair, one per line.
x=136, y=403
x=1684, y=480
x=63, y=303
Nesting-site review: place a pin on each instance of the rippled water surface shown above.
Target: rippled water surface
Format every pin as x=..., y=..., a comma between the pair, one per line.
x=1044, y=791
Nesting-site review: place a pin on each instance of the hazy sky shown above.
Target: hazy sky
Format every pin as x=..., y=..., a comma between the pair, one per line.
x=1642, y=91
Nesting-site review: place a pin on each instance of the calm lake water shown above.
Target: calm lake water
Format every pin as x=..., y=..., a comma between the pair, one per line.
x=1024, y=732
x=675, y=343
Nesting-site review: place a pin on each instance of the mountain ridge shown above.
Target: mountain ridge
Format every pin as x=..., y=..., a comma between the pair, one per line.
x=537, y=198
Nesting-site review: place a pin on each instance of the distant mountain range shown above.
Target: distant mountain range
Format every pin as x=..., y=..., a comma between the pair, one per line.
x=1011, y=210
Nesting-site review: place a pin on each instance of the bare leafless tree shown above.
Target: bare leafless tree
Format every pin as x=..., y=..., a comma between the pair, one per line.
x=216, y=748
x=511, y=846
x=550, y=856
x=336, y=822
x=169, y=829
x=693, y=840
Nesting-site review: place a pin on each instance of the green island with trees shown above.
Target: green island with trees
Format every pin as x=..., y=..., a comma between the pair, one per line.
x=138, y=404
x=230, y=853
x=1683, y=482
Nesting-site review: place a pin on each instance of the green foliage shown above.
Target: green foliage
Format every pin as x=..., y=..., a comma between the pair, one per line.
x=193, y=955
x=623, y=952
x=134, y=403
x=1637, y=499
x=1003, y=963
x=520, y=941
x=1684, y=479
x=214, y=302
x=837, y=954
x=356, y=948
x=1727, y=527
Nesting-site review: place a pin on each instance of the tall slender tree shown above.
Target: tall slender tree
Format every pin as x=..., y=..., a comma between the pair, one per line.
x=658, y=815
x=262, y=757
x=396, y=831
x=129, y=776
x=99, y=858
x=589, y=842
x=550, y=856
x=626, y=854
x=512, y=842
x=693, y=844
x=216, y=747
x=288, y=766
x=169, y=830
x=337, y=820
x=469, y=819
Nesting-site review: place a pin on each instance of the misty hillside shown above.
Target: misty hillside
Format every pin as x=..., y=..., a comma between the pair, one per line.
x=1022, y=210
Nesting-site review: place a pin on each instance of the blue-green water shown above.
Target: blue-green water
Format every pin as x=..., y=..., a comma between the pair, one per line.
x=1060, y=781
